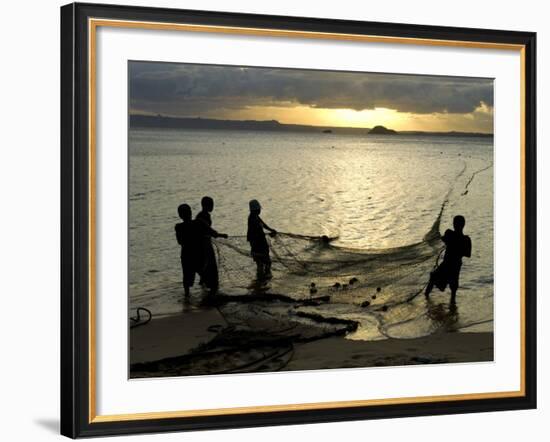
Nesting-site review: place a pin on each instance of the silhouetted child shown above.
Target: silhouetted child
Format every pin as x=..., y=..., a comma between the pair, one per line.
x=209, y=269
x=258, y=242
x=448, y=272
x=188, y=238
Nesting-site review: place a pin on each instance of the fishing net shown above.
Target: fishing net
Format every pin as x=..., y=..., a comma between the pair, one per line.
x=315, y=285
x=314, y=280
x=311, y=267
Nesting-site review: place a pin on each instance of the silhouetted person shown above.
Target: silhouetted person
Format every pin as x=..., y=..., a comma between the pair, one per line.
x=458, y=245
x=258, y=242
x=209, y=270
x=188, y=238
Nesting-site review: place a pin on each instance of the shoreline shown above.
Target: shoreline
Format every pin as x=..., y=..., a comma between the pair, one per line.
x=201, y=342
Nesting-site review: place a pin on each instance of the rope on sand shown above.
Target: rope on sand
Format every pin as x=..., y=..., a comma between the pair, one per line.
x=137, y=321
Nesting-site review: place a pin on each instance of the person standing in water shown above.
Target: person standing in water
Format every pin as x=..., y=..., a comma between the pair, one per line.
x=188, y=237
x=457, y=245
x=209, y=268
x=258, y=242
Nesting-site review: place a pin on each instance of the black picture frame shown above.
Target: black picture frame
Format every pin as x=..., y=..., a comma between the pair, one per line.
x=76, y=418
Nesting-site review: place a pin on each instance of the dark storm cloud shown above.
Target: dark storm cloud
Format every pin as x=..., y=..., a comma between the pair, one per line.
x=181, y=89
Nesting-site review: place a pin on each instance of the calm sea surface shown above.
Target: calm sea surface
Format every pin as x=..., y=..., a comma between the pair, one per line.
x=374, y=193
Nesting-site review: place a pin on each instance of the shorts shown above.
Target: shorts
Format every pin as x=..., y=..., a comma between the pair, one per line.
x=447, y=273
x=188, y=270
x=261, y=254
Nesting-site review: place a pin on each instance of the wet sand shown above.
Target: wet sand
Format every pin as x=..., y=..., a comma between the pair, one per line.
x=173, y=336
x=338, y=352
x=201, y=342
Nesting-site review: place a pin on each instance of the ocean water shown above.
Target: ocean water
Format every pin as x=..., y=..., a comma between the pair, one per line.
x=384, y=200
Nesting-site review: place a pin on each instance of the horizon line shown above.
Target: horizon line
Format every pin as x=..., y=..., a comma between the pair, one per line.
x=303, y=125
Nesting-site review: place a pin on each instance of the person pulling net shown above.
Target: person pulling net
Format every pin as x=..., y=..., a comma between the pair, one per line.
x=259, y=247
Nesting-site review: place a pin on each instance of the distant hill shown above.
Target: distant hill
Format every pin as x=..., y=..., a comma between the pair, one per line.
x=381, y=130
x=163, y=122
x=159, y=121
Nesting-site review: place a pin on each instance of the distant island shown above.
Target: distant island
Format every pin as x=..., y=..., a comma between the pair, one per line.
x=164, y=122
x=381, y=130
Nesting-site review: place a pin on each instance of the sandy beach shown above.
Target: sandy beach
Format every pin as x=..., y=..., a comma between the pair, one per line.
x=174, y=335
x=338, y=352
x=201, y=342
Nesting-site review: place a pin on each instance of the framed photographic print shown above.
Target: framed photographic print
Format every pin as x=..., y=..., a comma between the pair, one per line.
x=279, y=220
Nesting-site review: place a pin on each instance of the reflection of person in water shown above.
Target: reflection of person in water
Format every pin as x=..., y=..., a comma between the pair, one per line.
x=209, y=270
x=187, y=236
x=258, y=242
x=448, y=272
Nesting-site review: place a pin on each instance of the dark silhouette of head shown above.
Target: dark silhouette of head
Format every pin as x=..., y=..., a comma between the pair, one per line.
x=207, y=203
x=459, y=223
x=255, y=207
x=184, y=211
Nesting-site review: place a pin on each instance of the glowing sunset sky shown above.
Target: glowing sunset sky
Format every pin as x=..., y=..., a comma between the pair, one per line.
x=319, y=98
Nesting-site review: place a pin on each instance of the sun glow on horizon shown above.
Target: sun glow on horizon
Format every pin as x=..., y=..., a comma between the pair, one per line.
x=368, y=118
x=319, y=116
x=479, y=121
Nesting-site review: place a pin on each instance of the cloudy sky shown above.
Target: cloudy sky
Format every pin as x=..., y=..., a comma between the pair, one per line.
x=401, y=102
